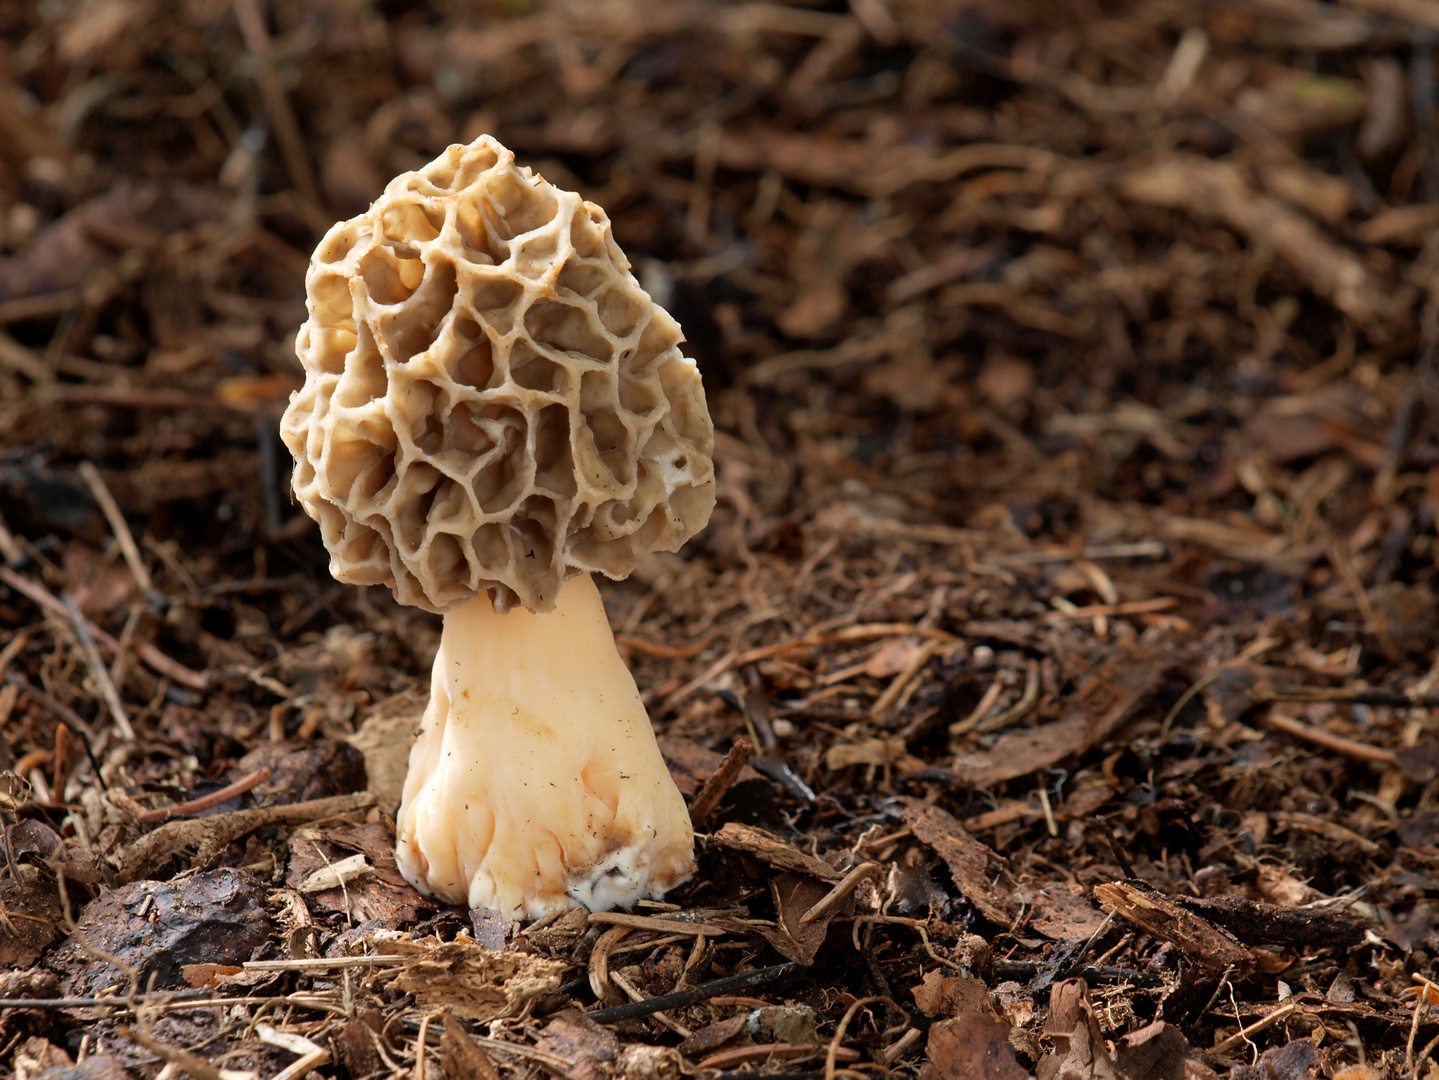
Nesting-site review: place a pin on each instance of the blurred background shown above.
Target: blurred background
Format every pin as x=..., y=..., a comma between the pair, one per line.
x=971, y=284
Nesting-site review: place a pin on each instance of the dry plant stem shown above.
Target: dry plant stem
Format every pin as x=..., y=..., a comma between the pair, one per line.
x=99, y=671
x=659, y=1014
x=902, y=681
x=153, y=657
x=662, y=926
x=832, y=1053
x=205, y=802
x=9, y=549
x=1338, y=743
x=764, y=652
x=536, y=782
x=1242, y=1035
x=111, y=509
x=287, y=131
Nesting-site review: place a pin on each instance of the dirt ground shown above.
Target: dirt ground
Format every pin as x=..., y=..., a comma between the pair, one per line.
x=1071, y=586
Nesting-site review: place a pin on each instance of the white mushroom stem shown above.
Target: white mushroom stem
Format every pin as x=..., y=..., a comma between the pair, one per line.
x=536, y=782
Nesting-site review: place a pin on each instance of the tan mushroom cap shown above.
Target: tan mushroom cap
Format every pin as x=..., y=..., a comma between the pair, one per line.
x=491, y=401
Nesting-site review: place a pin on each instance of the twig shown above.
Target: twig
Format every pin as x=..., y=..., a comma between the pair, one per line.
x=659, y=1014
x=897, y=686
x=718, y=785
x=157, y=661
x=662, y=926
x=206, y=802
x=98, y=670
x=1021, y=708
x=865, y=632
x=842, y=888
x=1338, y=743
x=324, y=963
x=111, y=509
x=682, y=998
x=978, y=713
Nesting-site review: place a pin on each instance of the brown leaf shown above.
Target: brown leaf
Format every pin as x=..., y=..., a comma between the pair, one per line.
x=1294, y=1061
x=461, y=1058
x=1156, y=1051
x=1058, y=913
x=972, y=1046
x=970, y=863
x=202, y=976
x=355, y=1045
x=1105, y=701
x=794, y=894
x=1079, y=1052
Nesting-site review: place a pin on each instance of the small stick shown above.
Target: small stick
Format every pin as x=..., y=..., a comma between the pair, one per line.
x=111, y=509
x=420, y=1049
x=1242, y=1035
x=659, y=1014
x=897, y=686
x=1133, y=607
x=59, y=708
x=158, y=661
x=662, y=926
x=97, y=668
x=717, y=786
x=282, y=117
x=206, y=802
x=863, y=632
x=1021, y=708
x=842, y=888
x=682, y=998
x=970, y=722
x=1338, y=743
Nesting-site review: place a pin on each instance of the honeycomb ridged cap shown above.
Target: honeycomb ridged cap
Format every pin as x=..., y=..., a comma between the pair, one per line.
x=491, y=401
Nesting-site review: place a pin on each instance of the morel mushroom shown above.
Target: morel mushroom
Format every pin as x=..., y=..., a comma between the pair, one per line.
x=493, y=409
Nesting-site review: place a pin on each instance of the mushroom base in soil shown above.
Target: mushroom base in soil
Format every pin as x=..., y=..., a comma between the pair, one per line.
x=536, y=782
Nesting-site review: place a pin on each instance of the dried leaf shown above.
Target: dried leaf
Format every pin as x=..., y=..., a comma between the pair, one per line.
x=973, y=1046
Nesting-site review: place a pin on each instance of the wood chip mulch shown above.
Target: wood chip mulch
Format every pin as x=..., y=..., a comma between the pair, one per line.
x=1055, y=686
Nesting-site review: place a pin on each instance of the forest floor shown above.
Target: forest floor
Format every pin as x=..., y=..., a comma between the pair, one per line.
x=1072, y=581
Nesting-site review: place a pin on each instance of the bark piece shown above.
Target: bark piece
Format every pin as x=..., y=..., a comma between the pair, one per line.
x=773, y=850
x=970, y=863
x=212, y=835
x=1198, y=938
x=461, y=1058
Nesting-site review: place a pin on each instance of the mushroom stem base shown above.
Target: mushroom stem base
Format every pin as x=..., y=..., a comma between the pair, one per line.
x=536, y=782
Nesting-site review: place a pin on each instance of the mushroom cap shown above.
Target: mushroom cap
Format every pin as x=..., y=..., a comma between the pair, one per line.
x=491, y=401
